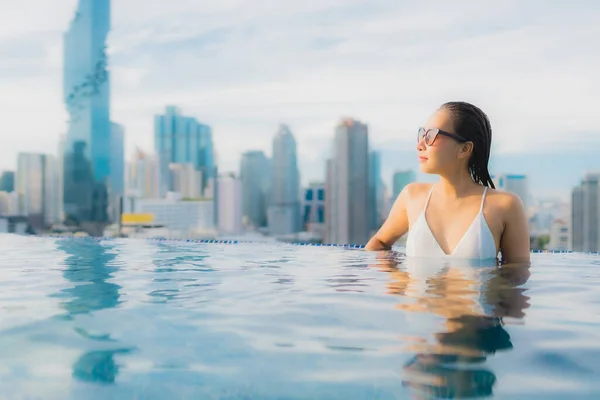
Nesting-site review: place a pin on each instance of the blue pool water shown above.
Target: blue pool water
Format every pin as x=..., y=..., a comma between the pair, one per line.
x=133, y=319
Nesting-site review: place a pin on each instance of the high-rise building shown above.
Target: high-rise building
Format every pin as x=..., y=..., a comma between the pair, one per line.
x=517, y=184
x=186, y=180
x=313, y=215
x=117, y=168
x=182, y=140
x=585, y=214
x=400, y=180
x=7, y=181
x=284, y=207
x=347, y=185
x=255, y=173
x=590, y=212
x=37, y=186
x=87, y=149
x=376, y=205
x=230, y=204
x=577, y=217
x=143, y=174
x=61, y=177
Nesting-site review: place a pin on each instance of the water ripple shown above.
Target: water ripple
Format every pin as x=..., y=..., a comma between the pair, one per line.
x=95, y=319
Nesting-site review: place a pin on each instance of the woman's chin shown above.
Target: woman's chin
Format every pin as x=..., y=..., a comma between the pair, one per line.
x=426, y=169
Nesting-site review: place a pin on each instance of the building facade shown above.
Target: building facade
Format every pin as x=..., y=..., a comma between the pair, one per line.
x=590, y=212
x=400, y=180
x=37, y=189
x=585, y=214
x=9, y=203
x=7, y=181
x=347, y=186
x=284, y=200
x=87, y=159
x=117, y=168
x=577, y=218
x=186, y=180
x=230, y=204
x=255, y=174
x=559, y=235
x=180, y=139
x=313, y=214
x=143, y=175
x=376, y=192
x=183, y=219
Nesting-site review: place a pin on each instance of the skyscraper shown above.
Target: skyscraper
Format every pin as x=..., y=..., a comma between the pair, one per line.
x=577, y=218
x=7, y=181
x=143, y=176
x=230, y=204
x=284, y=205
x=117, y=167
x=255, y=173
x=61, y=178
x=186, y=180
x=590, y=211
x=37, y=187
x=182, y=140
x=313, y=214
x=347, y=185
x=585, y=214
x=375, y=207
x=87, y=96
x=400, y=180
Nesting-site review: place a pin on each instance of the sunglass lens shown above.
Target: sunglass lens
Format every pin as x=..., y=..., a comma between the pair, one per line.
x=430, y=136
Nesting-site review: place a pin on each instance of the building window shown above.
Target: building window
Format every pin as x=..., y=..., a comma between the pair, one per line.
x=321, y=214
x=321, y=194
x=307, y=213
x=309, y=195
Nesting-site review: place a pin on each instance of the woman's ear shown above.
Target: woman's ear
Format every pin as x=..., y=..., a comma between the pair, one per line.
x=465, y=150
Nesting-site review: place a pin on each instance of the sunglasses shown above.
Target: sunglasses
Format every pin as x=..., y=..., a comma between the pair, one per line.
x=432, y=133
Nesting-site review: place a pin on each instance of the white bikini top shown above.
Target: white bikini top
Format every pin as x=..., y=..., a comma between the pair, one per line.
x=477, y=242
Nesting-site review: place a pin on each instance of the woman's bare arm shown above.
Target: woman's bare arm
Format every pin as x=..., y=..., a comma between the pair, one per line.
x=514, y=243
x=394, y=226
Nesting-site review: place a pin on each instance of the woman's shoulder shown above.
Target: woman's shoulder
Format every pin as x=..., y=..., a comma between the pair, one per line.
x=417, y=190
x=503, y=201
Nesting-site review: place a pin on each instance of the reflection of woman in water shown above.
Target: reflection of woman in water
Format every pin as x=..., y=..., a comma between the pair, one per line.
x=461, y=216
x=473, y=302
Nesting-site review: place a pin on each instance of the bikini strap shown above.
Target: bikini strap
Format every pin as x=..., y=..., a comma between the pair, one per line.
x=483, y=199
x=428, y=197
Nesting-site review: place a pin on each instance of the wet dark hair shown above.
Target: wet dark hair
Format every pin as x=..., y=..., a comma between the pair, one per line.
x=473, y=124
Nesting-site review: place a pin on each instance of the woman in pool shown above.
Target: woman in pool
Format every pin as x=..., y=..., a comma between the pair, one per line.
x=462, y=215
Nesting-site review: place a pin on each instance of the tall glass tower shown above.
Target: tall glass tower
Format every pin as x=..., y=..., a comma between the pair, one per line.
x=284, y=208
x=255, y=173
x=347, y=185
x=182, y=140
x=87, y=96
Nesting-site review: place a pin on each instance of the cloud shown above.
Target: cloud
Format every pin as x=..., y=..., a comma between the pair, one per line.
x=244, y=67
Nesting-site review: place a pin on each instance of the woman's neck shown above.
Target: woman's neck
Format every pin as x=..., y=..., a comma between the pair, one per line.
x=457, y=185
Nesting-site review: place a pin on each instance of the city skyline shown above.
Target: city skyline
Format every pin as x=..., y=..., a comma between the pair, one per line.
x=366, y=62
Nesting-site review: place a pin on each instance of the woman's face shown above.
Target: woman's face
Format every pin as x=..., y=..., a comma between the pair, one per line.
x=442, y=155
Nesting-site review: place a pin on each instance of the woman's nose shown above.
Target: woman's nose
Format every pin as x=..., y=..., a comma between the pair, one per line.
x=421, y=145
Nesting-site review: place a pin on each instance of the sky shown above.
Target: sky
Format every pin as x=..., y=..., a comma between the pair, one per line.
x=245, y=66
